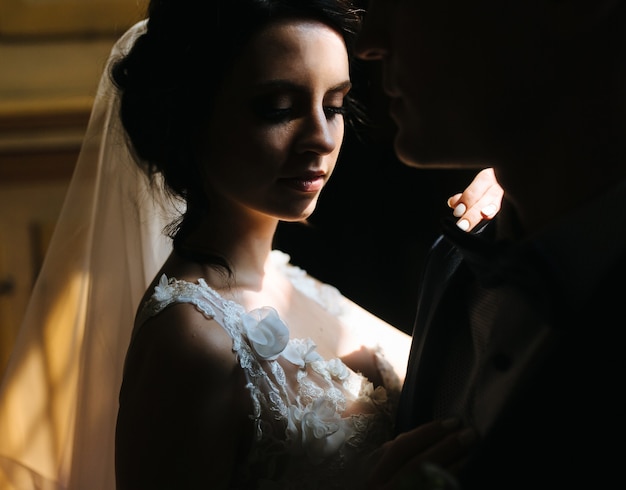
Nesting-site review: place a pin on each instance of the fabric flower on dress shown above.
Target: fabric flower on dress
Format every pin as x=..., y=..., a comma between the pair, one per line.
x=301, y=352
x=338, y=369
x=163, y=291
x=266, y=332
x=320, y=428
x=377, y=395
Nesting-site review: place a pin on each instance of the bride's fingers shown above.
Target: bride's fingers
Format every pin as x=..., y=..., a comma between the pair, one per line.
x=408, y=447
x=481, y=200
x=454, y=200
x=486, y=207
x=448, y=453
x=435, y=462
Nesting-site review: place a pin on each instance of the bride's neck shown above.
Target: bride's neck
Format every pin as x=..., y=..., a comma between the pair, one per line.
x=245, y=251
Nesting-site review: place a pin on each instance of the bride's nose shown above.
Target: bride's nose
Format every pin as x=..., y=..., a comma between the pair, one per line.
x=318, y=134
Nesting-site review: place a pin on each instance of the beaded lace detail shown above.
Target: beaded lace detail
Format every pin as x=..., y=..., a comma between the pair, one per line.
x=315, y=420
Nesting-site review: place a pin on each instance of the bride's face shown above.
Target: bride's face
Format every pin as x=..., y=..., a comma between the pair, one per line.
x=278, y=123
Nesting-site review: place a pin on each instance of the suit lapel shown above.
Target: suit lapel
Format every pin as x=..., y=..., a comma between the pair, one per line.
x=436, y=300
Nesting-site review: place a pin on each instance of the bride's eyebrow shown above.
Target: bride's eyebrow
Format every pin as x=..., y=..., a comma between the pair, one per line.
x=343, y=87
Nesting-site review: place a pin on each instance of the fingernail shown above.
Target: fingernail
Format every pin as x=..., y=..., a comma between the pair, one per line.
x=449, y=202
x=463, y=224
x=467, y=436
x=450, y=423
x=489, y=210
x=459, y=210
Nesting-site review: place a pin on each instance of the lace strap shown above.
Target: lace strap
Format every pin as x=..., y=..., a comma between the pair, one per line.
x=170, y=291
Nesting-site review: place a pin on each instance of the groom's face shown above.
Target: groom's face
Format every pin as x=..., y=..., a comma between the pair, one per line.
x=450, y=68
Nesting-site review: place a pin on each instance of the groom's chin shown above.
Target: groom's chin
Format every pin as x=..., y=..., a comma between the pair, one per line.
x=413, y=152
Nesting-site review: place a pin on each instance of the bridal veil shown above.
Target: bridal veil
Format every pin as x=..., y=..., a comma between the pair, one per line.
x=58, y=397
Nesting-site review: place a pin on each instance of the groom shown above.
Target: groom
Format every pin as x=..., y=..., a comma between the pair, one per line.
x=517, y=354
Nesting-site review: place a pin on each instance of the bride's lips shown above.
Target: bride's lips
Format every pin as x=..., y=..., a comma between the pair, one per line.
x=312, y=182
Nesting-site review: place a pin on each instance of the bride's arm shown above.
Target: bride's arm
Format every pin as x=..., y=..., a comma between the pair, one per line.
x=362, y=329
x=183, y=405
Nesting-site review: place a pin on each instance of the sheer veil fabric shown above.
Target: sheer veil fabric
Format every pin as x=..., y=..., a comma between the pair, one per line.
x=59, y=394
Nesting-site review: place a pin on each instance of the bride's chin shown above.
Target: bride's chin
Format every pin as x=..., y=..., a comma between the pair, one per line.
x=300, y=214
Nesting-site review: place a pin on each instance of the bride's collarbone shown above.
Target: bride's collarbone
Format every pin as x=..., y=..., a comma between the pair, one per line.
x=304, y=317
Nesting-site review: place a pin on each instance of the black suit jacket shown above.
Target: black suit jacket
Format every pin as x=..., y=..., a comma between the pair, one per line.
x=549, y=402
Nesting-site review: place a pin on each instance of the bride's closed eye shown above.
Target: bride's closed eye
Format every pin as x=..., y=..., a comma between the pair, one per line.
x=272, y=108
x=333, y=111
x=334, y=104
x=276, y=111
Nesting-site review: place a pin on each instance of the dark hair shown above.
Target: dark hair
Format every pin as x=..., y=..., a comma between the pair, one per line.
x=169, y=78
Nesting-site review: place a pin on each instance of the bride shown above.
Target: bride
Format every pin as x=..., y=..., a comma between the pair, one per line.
x=241, y=371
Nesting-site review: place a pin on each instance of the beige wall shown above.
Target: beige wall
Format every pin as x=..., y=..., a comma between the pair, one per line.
x=51, y=56
x=37, y=18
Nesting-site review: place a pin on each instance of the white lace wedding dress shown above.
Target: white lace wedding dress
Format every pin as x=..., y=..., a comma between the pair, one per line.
x=315, y=428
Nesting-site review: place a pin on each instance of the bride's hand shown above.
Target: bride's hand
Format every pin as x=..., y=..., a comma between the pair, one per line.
x=479, y=201
x=426, y=457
